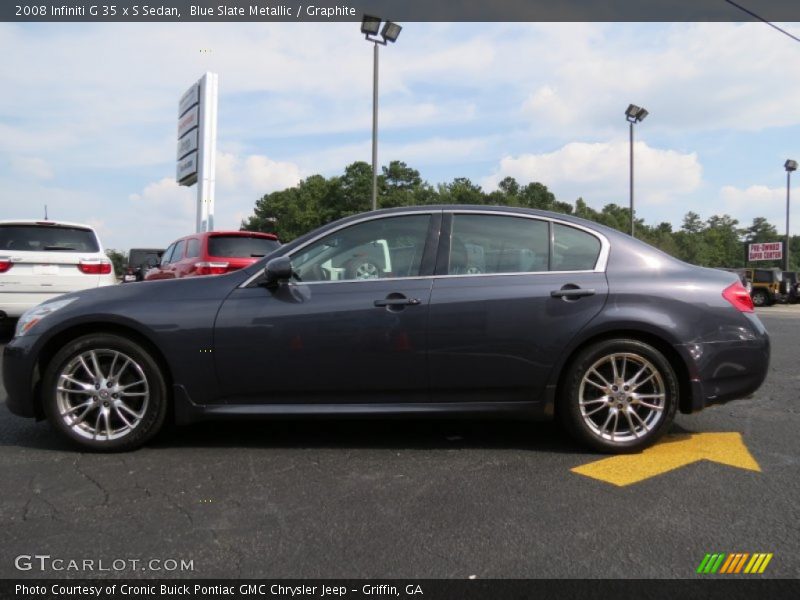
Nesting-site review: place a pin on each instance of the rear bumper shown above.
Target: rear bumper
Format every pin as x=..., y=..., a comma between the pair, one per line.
x=721, y=371
x=14, y=304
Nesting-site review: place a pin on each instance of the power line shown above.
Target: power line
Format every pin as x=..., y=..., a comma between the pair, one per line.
x=754, y=15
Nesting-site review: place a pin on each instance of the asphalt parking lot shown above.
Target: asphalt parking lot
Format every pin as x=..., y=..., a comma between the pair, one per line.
x=414, y=499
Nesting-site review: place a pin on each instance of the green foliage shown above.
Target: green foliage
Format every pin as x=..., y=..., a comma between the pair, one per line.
x=118, y=259
x=716, y=242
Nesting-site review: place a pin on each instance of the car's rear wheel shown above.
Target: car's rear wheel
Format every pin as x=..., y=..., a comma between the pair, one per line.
x=760, y=298
x=105, y=393
x=619, y=396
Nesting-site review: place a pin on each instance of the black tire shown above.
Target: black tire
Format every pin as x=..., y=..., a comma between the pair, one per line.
x=148, y=400
x=603, y=405
x=7, y=327
x=761, y=298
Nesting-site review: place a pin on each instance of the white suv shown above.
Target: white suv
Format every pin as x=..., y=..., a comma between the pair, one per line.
x=43, y=259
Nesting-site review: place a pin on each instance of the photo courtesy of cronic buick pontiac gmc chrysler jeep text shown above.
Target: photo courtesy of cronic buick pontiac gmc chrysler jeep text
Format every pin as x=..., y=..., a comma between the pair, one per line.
x=448, y=310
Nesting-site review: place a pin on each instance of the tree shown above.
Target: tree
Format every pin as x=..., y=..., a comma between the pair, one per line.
x=723, y=242
x=761, y=231
x=118, y=259
x=461, y=191
x=403, y=186
x=316, y=200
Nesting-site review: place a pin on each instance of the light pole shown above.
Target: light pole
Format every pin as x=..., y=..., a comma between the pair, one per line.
x=370, y=27
x=790, y=165
x=634, y=114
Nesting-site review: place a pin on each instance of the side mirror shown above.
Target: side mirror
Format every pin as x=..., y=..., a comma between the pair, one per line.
x=277, y=271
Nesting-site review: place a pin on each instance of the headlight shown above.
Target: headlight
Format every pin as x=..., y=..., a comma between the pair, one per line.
x=37, y=313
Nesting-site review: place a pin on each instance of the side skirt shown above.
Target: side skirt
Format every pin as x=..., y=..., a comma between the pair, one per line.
x=188, y=412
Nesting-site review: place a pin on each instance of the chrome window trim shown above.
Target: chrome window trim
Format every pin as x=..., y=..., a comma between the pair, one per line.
x=599, y=267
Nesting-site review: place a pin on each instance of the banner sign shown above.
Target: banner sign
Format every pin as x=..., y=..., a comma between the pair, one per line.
x=765, y=251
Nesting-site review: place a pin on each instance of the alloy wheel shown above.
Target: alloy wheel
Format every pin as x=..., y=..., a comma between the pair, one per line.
x=102, y=394
x=622, y=397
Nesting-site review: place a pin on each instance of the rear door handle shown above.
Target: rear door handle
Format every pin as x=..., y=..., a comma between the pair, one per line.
x=572, y=293
x=398, y=302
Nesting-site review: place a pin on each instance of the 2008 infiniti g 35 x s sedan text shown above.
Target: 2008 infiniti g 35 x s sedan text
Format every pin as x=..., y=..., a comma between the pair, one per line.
x=446, y=310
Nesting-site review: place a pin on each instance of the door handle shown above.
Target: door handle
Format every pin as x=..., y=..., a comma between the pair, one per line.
x=572, y=293
x=397, y=302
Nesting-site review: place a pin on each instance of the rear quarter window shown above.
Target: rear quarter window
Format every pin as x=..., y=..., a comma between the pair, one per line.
x=41, y=238
x=573, y=249
x=240, y=246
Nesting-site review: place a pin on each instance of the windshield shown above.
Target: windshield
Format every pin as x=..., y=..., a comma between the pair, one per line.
x=37, y=238
x=237, y=246
x=141, y=258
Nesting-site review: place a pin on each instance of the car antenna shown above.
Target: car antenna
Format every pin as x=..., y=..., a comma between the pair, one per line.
x=45, y=212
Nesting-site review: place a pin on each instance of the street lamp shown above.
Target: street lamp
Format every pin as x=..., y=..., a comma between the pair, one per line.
x=790, y=165
x=634, y=114
x=369, y=27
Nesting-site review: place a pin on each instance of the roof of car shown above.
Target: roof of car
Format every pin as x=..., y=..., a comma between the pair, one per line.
x=43, y=222
x=271, y=236
x=567, y=218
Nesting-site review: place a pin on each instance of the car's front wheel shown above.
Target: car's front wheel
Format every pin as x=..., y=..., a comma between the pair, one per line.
x=105, y=393
x=619, y=396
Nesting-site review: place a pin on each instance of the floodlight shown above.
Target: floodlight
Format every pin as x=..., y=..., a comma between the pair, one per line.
x=370, y=25
x=391, y=31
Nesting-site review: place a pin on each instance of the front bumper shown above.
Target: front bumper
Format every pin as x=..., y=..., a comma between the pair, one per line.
x=20, y=377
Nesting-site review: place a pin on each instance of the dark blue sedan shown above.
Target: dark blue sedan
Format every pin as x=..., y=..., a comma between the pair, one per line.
x=445, y=310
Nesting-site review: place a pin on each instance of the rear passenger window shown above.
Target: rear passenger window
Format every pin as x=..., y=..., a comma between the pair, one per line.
x=193, y=248
x=573, y=249
x=177, y=254
x=497, y=244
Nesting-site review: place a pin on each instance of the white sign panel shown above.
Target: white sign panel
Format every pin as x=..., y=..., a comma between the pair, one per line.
x=187, y=143
x=189, y=99
x=197, y=145
x=188, y=121
x=187, y=169
x=765, y=251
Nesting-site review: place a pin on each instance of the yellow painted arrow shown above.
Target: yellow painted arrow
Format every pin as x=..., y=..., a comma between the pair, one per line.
x=673, y=452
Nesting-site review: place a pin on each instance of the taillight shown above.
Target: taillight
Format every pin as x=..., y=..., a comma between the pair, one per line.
x=211, y=268
x=5, y=265
x=737, y=295
x=94, y=267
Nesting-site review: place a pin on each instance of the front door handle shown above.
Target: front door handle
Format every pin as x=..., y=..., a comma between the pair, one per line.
x=397, y=302
x=570, y=293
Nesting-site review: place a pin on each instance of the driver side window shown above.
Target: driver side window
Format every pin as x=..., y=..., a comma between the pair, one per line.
x=381, y=248
x=165, y=258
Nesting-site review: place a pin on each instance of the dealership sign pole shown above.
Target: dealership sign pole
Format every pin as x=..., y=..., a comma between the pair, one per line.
x=197, y=145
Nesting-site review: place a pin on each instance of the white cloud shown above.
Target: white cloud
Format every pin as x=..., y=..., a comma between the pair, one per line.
x=758, y=201
x=169, y=209
x=737, y=199
x=296, y=99
x=165, y=201
x=32, y=167
x=600, y=171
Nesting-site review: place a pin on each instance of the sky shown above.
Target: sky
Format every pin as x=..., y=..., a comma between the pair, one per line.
x=88, y=115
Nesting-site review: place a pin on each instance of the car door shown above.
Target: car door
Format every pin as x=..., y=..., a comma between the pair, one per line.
x=337, y=334
x=511, y=292
x=157, y=272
